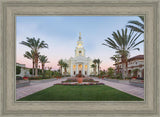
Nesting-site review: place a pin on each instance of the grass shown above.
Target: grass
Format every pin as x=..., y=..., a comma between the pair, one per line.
x=80, y=93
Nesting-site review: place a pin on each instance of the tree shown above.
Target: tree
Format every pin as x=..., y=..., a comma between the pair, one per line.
x=65, y=66
x=50, y=72
x=18, y=69
x=116, y=59
x=135, y=72
x=60, y=63
x=43, y=60
x=97, y=63
x=136, y=25
x=102, y=73
x=123, y=42
x=94, y=68
x=110, y=72
x=31, y=56
x=35, y=46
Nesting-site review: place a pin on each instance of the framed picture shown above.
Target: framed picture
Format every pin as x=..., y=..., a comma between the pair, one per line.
x=80, y=58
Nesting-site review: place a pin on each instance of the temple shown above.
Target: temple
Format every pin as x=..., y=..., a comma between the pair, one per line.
x=80, y=63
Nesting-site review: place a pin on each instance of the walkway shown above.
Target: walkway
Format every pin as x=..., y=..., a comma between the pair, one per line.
x=136, y=91
x=34, y=87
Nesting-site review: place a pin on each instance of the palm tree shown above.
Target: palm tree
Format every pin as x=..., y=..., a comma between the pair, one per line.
x=95, y=63
x=116, y=59
x=43, y=60
x=65, y=65
x=136, y=25
x=94, y=68
x=123, y=43
x=49, y=71
x=31, y=56
x=98, y=63
x=35, y=46
x=60, y=63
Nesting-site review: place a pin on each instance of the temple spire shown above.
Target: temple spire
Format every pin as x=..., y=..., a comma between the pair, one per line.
x=80, y=36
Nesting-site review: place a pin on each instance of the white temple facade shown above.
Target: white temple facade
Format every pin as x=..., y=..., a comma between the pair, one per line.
x=80, y=63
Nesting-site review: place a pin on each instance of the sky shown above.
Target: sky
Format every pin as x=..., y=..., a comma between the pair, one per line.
x=61, y=34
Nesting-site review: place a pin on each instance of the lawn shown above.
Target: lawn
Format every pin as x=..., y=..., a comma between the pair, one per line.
x=80, y=93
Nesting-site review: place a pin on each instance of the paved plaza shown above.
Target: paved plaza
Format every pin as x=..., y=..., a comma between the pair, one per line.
x=133, y=90
x=35, y=87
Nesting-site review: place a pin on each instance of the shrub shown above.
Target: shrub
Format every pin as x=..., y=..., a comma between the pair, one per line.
x=57, y=74
x=119, y=75
x=19, y=78
x=88, y=80
x=128, y=78
x=110, y=72
x=18, y=70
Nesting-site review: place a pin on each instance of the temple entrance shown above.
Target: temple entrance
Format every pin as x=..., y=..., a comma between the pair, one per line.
x=80, y=72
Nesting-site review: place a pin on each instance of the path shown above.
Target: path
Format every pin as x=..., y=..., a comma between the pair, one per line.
x=133, y=90
x=28, y=90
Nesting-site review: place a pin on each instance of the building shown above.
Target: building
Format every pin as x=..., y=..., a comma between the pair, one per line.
x=80, y=63
x=24, y=71
x=135, y=66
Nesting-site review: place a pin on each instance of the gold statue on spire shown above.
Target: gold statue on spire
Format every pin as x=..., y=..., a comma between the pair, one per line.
x=79, y=35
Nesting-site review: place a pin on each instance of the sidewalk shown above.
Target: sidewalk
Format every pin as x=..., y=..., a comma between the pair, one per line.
x=28, y=90
x=133, y=90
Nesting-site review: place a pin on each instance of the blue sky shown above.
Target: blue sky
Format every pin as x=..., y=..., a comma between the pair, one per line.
x=61, y=33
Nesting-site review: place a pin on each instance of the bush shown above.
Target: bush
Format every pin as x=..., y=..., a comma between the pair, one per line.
x=57, y=74
x=19, y=78
x=128, y=78
x=110, y=72
x=119, y=76
x=88, y=80
x=18, y=70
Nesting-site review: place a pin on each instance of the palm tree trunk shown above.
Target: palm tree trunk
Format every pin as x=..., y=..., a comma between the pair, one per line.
x=98, y=69
x=123, y=70
x=36, y=70
x=65, y=70
x=61, y=69
x=33, y=69
x=36, y=65
x=118, y=69
x=126, y=68
x=123, y=67
x=43, y=68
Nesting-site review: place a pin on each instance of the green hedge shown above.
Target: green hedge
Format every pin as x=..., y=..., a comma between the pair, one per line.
x=18, y=70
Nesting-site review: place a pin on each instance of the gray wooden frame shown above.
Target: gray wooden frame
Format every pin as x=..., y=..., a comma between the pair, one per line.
x=9, y=9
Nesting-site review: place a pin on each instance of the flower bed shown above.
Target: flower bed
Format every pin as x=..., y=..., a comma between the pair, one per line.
x=25, y=78
x=75, y=80
x=77, y=84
